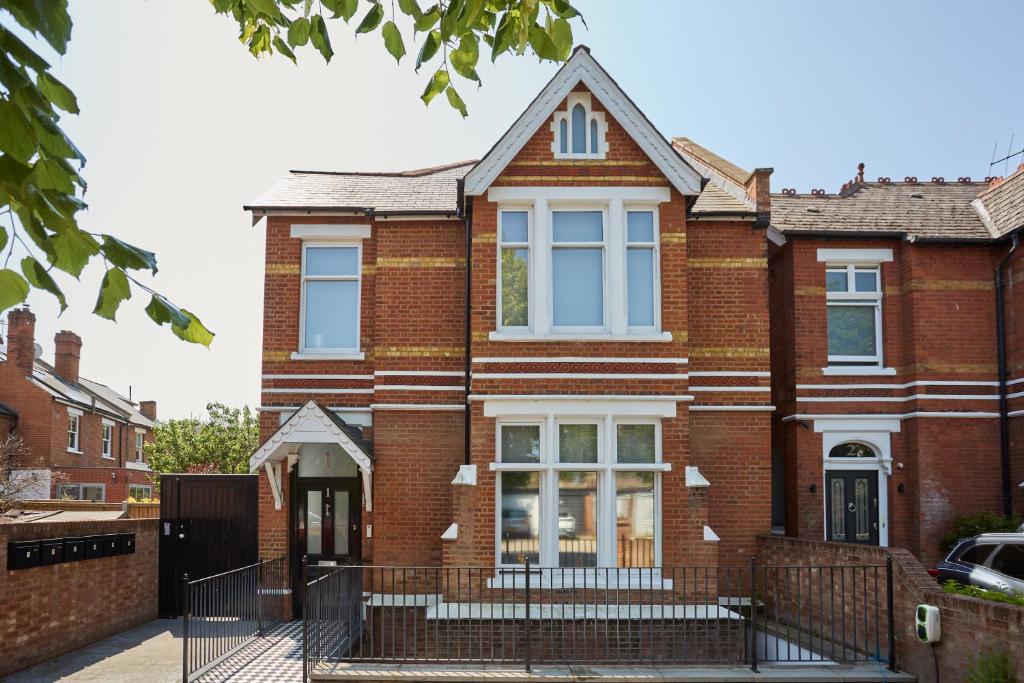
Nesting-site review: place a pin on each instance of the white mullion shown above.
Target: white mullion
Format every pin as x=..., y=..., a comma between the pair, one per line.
x=614, y=282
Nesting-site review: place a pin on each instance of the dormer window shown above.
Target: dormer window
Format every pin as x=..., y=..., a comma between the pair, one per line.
x=579, y=131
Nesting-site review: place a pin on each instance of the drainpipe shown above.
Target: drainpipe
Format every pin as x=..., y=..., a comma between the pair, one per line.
x=467, y=215
x=1004, y=414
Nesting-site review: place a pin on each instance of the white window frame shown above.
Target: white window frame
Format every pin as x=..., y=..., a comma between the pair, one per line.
x=102, y=487
x=512, y=208
x=606, y=467
x=148, y=487
x=75, y=420
x=584, y=99
x=603, y=245
x=633, y=207
x=107, y=440
x=357, y=278
x=851, y=297
x=140, y=444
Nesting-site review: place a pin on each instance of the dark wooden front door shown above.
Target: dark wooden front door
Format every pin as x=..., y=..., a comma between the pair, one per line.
x=326, y=526
x=851, y=506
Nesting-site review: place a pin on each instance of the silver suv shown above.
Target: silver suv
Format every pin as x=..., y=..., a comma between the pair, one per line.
x=991, y=561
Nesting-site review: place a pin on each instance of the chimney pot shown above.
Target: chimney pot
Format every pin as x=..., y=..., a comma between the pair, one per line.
x=21, y=338
x=148, y=408
x=860, y=172
x=68, y=353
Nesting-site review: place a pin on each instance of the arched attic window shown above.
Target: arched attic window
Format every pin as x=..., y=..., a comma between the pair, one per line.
x=579, y=132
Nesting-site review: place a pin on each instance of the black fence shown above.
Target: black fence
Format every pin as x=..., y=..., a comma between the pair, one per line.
x=636, y=616
x=223, y=612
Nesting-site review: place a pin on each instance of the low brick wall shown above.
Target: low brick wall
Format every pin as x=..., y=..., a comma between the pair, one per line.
x=50, y=610
x=969, y=625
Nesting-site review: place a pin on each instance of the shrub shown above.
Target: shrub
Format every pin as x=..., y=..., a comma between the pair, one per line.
x=976, y=523
x=991, y=665
x=957, y=588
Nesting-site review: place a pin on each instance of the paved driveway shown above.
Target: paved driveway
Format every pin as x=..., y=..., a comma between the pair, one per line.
x=151, y=653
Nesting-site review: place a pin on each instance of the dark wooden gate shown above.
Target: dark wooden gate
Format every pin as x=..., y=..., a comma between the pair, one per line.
x=208, y=525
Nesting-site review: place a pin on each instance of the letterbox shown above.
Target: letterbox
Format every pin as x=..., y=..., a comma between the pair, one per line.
x=23, y=555
x=93, y=547
x=51, y=551
x=127, y=543
x=111, y=545
x=74, y=549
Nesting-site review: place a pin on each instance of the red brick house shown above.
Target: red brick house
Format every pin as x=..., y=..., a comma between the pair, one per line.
x=84, y=440
x=898, y=406
x=557, y=353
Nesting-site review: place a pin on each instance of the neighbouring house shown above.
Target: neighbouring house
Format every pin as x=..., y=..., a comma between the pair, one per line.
x=84, y=440
x=557, y=353
x=897, y=408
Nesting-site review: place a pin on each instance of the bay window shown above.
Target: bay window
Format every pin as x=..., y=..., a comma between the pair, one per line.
x=513, y=301
x=577, y=269
x=854, y=314
x=579, y=492
x=641, y=263
x=330, y=298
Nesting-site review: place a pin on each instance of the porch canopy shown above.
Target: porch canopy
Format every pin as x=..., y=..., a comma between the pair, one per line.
x=312, y=424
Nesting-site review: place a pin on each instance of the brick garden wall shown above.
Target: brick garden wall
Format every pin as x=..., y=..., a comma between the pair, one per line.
x=48, y=611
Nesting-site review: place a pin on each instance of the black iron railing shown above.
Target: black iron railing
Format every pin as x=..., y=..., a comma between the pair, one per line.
x=529, y=615
x=223, y=612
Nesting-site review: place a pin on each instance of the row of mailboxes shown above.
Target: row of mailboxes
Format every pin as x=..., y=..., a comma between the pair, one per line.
x=28, y=554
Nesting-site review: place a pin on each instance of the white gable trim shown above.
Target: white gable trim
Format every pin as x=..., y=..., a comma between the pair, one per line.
x=309, y=424
x=582, y=68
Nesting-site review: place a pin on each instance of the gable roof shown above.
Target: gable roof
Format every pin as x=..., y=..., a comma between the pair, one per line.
x=583, y=68
x=423, y=191
x=1001, y=207
x=726, y=190
x=925, y=210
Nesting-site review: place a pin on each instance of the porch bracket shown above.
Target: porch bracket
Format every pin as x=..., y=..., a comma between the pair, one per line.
x=274, y=477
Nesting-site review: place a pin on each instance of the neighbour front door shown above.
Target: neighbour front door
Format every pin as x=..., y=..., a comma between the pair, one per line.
x=326, y=527
x=851, y=504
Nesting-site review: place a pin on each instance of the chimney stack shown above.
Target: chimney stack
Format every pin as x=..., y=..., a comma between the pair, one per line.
x=68, y=353
x=860, y=173
x=21, y=339
x=148, y=408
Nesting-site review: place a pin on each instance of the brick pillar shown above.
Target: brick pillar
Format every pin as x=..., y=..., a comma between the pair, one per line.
x=68, y=354
x=148, y=408
x=21, y=337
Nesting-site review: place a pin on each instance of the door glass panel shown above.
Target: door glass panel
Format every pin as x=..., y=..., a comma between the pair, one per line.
x=314, y=522
x=341, y=522
x=863, y=514
x=577, y=519
x=838, y=512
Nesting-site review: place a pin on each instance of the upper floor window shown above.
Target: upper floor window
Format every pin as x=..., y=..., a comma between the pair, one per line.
x=854, y=301
x=577, y=269
x=330, y=298
x=139, y=445
x=74, y=428
x=513, y=294
x=641, y=266
x=108, y=439
x=579, y=132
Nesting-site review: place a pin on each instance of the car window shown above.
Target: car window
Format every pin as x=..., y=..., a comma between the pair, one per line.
x=1010, y=561
x=976, y=554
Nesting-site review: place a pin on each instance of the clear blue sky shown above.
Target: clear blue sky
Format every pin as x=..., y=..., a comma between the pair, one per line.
x=182, y=126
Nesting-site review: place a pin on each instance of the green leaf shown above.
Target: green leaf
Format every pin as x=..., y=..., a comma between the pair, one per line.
x=342, y=8
x=372, y=19
x=450, y=22
x=162, y=311
x=427, y=19
x=3, y=238
x=465, y=58
x=456, y=101
x=283, y=48
x=321, y=41
x=410, y=7
x=542, y=44
x=429, y=48
x=16, y=136
x=438, y=82
x=13, y=173
x=114, y=289
x=48, y=18
x=563, y=9
x=13, y=289
x=195, y=332
x=504, y=37
x=12, y=45
x=57, y=92
x=72, y=251
x=267, y=7
x=50, y=175
x=298, y=32
x=38, y=277
x=52, y=138
x=393, y=41
x=124, y=255
x=561, y=35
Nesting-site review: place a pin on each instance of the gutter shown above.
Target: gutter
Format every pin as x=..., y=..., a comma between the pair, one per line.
x=1004, y=411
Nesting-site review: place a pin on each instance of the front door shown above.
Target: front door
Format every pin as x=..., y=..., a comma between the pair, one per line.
x=851, y=504
x=326, y=527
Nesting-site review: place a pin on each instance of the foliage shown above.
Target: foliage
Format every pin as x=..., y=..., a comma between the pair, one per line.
x=965, y=526
x=957, y=588
x=452, y=31
x=143, y=500
x=222, y=443
x=991, y=665
x=14, y=455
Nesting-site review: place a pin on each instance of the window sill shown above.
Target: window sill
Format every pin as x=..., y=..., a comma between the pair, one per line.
x=355, y=355
x=75, y=451
x=853, y=370
x=107, y=457
x=137, y=466
x=578, y=336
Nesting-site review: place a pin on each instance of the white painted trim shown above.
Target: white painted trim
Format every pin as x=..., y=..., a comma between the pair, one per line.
x=859, y=256
x=580, y=359
x=297, y=355
x=858, y=370
x=576, y=405
x=451, y=533
x=1019, y=380
x=304, y=279
x=896, y=416
x=729, y=373
x=75, y=411
x=317, y=390
x=577, y=375
x=583, y=68
x=894, y=399
x=694, y=479
x=860, y=423
x=775, y=236
x=107, y=422
x=577, y=336
x=1015, y=413
x=768, y=409
x=335, y=409
x=906, y=385
x=710, y=536
x=584, y=99
x=136, y=465
x=1016, y=394
x=418, y=387
x=416, y=406
x=604, y=195
x=323, y=377
x=731, y=389
x=419, y=373
x=273, y=470
x=875, y=433
x=330, y=232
